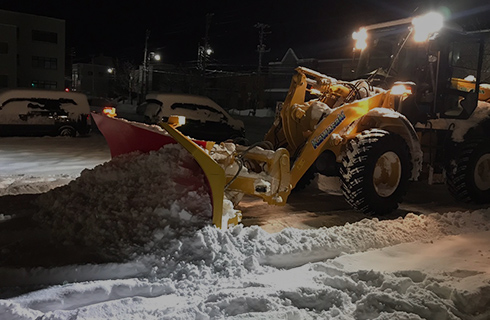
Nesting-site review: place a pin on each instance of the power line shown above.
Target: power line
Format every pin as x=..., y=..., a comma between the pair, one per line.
x=261, y=48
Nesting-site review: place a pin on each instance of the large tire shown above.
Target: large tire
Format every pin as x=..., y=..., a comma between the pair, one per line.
x=468, y=174
x=375, y=171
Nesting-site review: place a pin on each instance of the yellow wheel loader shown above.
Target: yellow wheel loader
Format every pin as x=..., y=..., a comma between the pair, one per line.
x=446, y=73
x=336, y=128
x=374, y=139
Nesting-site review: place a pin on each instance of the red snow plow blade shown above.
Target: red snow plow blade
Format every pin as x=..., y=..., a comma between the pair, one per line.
x=124, y=136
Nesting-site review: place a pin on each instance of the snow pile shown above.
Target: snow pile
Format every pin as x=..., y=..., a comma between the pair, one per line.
x=128, y=200
x=293, y=247
x=210, y=273
x=210, y=252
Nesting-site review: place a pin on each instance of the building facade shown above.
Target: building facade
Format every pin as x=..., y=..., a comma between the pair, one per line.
x=32, y=51
x=95, y=78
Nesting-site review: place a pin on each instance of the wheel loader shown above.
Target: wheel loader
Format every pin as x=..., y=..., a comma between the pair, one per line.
x=337, y=128
x=368, y=136
x=445, y=72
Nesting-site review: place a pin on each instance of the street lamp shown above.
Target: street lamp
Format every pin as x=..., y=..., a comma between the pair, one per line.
x=148, y=56
x=203, y=54
x=155, y=56
x=148, y=69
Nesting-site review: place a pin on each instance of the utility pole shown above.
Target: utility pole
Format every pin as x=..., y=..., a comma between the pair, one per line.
x=93, y=75
x=204, y=50
x=72, y=75
x=144, y=78
x=261, y=47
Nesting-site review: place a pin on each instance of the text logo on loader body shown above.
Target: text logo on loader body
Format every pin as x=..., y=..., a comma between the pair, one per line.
x=322, y=136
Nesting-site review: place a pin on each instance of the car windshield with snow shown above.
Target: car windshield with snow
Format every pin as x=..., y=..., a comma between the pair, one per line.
x=205, y=119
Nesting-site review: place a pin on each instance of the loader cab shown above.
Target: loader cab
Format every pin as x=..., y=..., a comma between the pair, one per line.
x=444, y=72
x=460, y=60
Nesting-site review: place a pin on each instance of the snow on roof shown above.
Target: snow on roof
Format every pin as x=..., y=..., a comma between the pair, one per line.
x=79, y=98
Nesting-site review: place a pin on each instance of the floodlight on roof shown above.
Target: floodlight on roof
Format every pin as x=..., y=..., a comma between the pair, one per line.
x=360, y=37
x=426, y=25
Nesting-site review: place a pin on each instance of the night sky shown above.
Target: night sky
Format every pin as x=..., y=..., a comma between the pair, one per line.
x=315, y=28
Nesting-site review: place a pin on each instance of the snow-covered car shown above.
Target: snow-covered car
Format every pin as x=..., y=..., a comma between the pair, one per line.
x=27, y=112
x=205, y=119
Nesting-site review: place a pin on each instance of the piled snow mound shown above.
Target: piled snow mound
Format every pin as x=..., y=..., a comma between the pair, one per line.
x=244, y=249
x=126, y=201
x=216, y=274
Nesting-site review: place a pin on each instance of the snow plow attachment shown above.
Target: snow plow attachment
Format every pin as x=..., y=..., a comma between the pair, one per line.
x=232, y=170
x=124, y=137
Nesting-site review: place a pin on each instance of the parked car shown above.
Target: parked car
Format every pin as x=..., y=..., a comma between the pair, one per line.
x=26, y=112
x=205, y=119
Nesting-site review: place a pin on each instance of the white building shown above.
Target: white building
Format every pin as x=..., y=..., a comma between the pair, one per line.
x=32, y=51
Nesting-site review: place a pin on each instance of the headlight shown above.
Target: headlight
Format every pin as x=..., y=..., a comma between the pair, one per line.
x=401, y=89
x=109, y=111
x=360, y=37
x=427, y=25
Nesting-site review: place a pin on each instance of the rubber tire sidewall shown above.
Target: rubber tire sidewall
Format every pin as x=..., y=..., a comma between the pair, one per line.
x=460, y=177
x=358, y=167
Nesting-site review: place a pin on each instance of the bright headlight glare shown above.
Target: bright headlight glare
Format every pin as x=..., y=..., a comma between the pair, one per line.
x=400, y=89
x=315, y=92
x=426, y=25
x=109, y=111
x=360, y=37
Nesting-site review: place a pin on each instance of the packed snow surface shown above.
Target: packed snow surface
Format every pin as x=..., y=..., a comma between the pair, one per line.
x=38, y=164
x=146, y=209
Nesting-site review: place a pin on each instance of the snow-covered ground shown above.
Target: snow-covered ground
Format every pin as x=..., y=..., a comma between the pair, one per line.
x=172, y=265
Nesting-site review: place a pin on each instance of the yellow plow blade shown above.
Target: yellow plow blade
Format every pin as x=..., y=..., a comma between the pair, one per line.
x=214, y=173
